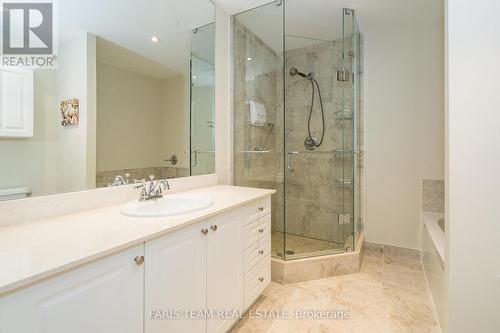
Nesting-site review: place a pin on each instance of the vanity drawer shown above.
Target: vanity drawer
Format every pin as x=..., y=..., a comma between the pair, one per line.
x=257, y=280
x=257, y=230
x=258, y=251
x=258, y=209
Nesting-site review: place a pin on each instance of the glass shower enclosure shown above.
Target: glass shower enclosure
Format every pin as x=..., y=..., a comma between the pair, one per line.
x=202, y=92
x=297, y=115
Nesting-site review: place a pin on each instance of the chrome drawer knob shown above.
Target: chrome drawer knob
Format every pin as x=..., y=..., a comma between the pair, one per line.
x=204, y=231
x=261, y=251
x=213, y=227
x=261, y=231
x=261, y=279
x=139, y=260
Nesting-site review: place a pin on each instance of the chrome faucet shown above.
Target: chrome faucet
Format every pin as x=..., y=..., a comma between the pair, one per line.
x=119, y=180
x=153, y=190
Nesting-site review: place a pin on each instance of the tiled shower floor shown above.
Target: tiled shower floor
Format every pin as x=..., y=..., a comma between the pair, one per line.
x=302, y=246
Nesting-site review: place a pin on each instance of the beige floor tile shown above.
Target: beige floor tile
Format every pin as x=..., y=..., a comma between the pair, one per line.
x=397, y=276
x=389, y=295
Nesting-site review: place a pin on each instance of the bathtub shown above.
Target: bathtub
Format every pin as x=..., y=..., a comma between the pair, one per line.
x=433, y=258
x=434, y=227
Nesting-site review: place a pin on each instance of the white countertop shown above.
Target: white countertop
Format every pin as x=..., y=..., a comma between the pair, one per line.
x=30, y=252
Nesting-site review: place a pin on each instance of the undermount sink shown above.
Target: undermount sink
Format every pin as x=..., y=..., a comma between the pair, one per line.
x=167, y=206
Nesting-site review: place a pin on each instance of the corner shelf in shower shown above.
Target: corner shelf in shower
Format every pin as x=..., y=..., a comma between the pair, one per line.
x=257, y=152
x=345, y=115
x=344, y=153
x=347, y=153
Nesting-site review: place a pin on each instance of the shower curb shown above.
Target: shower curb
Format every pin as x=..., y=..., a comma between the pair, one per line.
x=299, y=270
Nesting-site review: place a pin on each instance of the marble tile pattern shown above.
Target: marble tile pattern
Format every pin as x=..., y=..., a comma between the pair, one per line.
x=388, y=295
x=313, y=200
x=104, y=178
x=433, y=195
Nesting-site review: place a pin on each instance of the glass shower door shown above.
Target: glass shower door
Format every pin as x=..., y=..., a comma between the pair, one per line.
x=312, y=163
x=351, y=89
x=202, y=102
x=317, y=181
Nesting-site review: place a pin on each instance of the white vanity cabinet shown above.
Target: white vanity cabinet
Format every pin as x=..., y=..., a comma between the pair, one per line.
x=218, y=267
x=16, y=102
x=257, y=250
x=175, y=280
x=197, y=279
x=102, y=297
x=225, y=268
x=199, y=268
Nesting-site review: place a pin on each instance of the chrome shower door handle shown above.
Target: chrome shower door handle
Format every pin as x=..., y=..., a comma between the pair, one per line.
x=288, y=160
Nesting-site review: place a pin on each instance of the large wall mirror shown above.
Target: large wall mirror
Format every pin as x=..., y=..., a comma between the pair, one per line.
x=130, y=95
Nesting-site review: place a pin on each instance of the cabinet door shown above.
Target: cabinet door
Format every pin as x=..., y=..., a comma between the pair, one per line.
x=16, y=102
x=175, y=281
x=101, y=297
x=225, y=260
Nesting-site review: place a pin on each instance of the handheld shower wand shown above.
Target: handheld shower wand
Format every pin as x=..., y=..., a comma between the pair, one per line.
x=311, y=142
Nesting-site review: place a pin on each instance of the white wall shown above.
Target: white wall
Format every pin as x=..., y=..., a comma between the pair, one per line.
x=223, y=116
x=473, y=161
x=58, y=158
x=32, y=161
x=404, y=113
x=76, y=79
x=130, y=112
x=140, y=116
x=176, y=120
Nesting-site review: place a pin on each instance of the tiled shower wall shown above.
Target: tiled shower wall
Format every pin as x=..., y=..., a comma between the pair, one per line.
x=257, y=80
x=314, y=197
x=433, y=195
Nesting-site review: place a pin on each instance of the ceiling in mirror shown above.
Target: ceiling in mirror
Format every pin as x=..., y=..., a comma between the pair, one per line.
x=132, y=24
